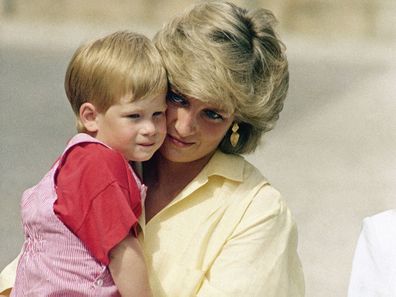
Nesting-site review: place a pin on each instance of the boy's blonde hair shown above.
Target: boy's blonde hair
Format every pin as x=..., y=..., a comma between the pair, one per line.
x=220, y=53
x=103, y=71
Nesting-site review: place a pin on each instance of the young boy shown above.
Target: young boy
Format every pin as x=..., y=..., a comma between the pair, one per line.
x=80, y=221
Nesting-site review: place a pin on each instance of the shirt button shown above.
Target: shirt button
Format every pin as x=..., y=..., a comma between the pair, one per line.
x=99, y=282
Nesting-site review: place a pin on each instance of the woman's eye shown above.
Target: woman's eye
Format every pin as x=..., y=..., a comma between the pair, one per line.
x=176, y=98
x=212, y=115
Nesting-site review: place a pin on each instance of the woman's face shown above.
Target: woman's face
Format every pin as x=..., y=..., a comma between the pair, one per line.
x=195, y=128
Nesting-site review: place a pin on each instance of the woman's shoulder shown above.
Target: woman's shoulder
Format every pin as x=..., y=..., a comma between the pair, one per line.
x=251, y=184
x=267, y=199
x=234, y=167
x=240, y=170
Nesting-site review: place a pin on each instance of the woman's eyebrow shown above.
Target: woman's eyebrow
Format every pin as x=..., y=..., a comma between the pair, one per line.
x=218, y=109
x=176, y=92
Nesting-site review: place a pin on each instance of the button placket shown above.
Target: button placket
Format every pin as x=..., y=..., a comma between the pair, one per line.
x=99, y=282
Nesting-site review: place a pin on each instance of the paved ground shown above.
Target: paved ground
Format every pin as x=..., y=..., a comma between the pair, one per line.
x=332, y=155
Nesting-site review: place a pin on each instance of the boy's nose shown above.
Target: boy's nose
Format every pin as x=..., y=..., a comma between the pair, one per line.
x=149, y=128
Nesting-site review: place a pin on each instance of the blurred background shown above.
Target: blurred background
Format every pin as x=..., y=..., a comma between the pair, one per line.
x=332, y=154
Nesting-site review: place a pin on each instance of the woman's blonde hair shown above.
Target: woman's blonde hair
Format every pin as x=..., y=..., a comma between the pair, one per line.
x=220, y=53
x=104, y=70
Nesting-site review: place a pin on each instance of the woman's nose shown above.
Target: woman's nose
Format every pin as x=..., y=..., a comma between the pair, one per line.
x=186, y=123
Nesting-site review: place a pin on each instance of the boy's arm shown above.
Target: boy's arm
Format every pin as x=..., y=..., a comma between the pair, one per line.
x=128, y=269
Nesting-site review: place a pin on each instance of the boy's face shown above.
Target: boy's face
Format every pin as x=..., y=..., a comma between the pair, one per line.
x=136, y=129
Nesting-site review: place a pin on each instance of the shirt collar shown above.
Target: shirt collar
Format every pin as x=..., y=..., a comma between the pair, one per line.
x=226, y=165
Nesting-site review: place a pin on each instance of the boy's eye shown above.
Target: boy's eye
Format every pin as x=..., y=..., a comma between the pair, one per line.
x=176, y=98
x=158, y=113
x=134, y=116
x=212, y=114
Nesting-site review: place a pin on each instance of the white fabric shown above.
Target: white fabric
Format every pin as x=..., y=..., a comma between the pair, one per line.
x=374, y=264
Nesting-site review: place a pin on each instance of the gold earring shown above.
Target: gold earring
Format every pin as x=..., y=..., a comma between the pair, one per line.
x=234, y=135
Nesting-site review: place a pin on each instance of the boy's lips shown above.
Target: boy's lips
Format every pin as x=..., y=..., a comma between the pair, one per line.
x=147, y=144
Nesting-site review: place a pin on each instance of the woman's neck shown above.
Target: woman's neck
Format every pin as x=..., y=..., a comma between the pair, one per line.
x=165, y=179
x=162, y=172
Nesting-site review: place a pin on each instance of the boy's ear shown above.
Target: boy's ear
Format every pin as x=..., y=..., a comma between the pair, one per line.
x=88, y=117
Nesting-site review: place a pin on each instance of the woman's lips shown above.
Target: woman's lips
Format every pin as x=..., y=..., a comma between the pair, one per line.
x=178, y=142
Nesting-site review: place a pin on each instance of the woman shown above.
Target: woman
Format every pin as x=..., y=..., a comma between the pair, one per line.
x=213, y=225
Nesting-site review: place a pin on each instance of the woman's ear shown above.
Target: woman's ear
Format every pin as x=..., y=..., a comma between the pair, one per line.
x=88, y=117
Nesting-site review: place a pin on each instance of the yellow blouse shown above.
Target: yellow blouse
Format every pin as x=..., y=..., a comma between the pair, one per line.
x=227, y=234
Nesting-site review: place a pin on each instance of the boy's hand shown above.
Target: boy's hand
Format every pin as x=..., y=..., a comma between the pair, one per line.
x=5, y=293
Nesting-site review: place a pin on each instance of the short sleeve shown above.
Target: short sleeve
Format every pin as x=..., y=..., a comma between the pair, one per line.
x=98, y=198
